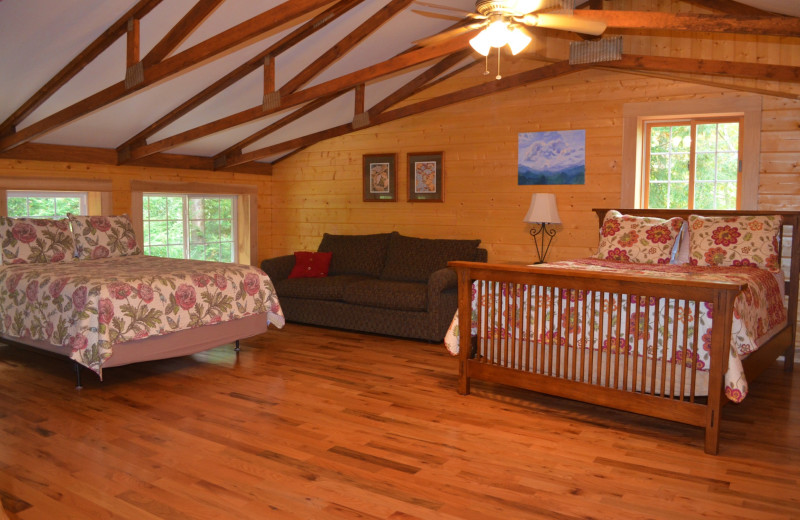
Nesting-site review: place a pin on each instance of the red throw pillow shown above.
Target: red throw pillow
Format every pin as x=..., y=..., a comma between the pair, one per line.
x=308, y=264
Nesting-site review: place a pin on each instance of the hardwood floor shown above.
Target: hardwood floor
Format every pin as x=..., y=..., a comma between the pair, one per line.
x=314, y=423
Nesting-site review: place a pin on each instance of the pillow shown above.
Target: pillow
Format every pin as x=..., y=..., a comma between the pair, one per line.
x=100, y=237
x=640, y=240
x=308, y=264
x=741, y=241
x=412, y=259
x=35, y=240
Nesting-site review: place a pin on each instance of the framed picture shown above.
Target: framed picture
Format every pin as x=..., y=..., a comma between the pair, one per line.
x=549, y=158
x=380, y=178
x=425, y=177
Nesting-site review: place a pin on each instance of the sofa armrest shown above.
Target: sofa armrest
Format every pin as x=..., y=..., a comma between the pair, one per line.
x=278, y=268
x=439, y=281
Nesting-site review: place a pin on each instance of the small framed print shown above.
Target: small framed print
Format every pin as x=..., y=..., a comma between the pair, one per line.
x=425, y=177
x=380, y=178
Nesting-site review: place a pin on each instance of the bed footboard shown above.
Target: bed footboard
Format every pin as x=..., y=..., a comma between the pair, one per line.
x=575, y=335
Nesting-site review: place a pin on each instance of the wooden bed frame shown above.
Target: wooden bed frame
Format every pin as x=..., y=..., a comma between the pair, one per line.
x=534, y=374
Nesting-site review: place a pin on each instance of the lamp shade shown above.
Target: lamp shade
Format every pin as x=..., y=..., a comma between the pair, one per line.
x=542, y=209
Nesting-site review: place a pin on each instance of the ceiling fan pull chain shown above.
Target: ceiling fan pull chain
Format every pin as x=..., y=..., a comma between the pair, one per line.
x=486, y=65
x=498, y=65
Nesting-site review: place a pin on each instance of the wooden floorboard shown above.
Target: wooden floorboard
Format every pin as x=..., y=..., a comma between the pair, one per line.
x=314, y=423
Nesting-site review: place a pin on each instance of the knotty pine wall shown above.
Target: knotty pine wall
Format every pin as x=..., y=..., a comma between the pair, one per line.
x=319, y=189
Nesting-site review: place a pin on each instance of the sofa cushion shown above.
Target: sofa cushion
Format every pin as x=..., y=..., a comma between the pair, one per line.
x=387, y=294
x=308, y=264
x=413, y=259
x=356, y=254
x=328, y=288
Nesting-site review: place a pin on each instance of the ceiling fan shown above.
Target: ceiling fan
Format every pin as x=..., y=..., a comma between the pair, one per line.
x=506, y=22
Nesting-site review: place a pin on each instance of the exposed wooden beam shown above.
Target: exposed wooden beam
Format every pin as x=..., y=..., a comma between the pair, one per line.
x=415, y=84
x=77, y=64
x=729, y=69
x=316, y=23
x=761, y=25
x=62, y=153
x=344, y=45
x=230, y=156
x=508, y=82
x=132, y=51
x=730, y=7
x=181, y=31
x=360, y=94
x=327, y=88
x=628, y=63
x=191, y=57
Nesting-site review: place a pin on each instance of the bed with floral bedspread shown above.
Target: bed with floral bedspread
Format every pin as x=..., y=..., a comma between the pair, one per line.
x=91, y=306
x=758, y=314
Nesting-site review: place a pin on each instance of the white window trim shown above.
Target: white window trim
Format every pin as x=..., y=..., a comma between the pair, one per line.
x=185, y=217
x=634, y=115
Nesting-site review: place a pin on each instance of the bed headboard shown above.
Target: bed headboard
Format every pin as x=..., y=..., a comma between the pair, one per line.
x=791, y=227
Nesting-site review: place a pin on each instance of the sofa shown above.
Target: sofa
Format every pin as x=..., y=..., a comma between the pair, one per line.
x=384, y=283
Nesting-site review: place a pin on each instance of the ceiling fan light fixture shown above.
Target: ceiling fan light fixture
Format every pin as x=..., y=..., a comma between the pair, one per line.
x=481, y=44
x=518, y=40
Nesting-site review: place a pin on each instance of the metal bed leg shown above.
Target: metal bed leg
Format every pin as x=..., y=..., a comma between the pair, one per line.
x=78, y=385
x=236, y=347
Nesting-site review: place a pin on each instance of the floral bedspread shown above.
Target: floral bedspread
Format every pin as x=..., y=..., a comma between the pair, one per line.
x=758, y=313
x=92, y=305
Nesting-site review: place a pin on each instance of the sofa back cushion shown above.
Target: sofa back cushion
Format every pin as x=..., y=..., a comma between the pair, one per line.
x=413, y=259
x=356, y=254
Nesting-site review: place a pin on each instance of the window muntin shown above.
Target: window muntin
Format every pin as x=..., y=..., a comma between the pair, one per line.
x=198, y=227
x=45, y=204
x=693, y=164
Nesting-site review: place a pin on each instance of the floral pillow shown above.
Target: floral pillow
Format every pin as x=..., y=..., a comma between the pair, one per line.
x=101, y=237
x=640, y=240
x=741, y=241
x=35, y=240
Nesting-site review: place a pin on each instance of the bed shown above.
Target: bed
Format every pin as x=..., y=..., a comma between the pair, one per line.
x=634, y=328
x=112, y=305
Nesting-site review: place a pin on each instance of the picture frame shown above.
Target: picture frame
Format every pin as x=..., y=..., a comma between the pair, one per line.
x=425, y=177
x=380, y=177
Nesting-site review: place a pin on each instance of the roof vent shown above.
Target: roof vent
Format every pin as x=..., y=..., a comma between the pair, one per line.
x=595, y=51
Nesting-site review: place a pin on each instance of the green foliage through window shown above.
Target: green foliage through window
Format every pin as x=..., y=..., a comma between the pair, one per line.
x=198, y=227
x=45, y=204
x=693, y=164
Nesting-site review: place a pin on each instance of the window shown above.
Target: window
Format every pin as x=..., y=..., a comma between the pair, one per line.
x=692, y=164
x=198, y=227
x=45, y=204
x=745, y=109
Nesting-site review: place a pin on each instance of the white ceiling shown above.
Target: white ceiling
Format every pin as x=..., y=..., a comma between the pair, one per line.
x=39, y=37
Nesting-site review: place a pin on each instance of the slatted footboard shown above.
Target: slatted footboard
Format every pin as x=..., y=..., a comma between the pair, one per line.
x=577, y=336
x=616, y=340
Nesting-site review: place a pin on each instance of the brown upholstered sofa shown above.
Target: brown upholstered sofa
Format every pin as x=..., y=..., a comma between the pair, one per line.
x=384, y=283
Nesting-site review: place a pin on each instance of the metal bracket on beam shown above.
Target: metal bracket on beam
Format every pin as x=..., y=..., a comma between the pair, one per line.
x=272, y=100
x=361, y=120
x=134, y=75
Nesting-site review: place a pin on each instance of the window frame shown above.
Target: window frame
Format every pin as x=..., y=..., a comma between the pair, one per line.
x=186, y=219
x=692, y=123
x=50, y=194
x=99, y=199
x=246, y=209
x=634, y=115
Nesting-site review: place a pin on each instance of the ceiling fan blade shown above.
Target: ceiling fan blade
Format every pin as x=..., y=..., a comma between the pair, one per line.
x=565, y=22
x=523, y=7
x=441, y=16
x=442, y=36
